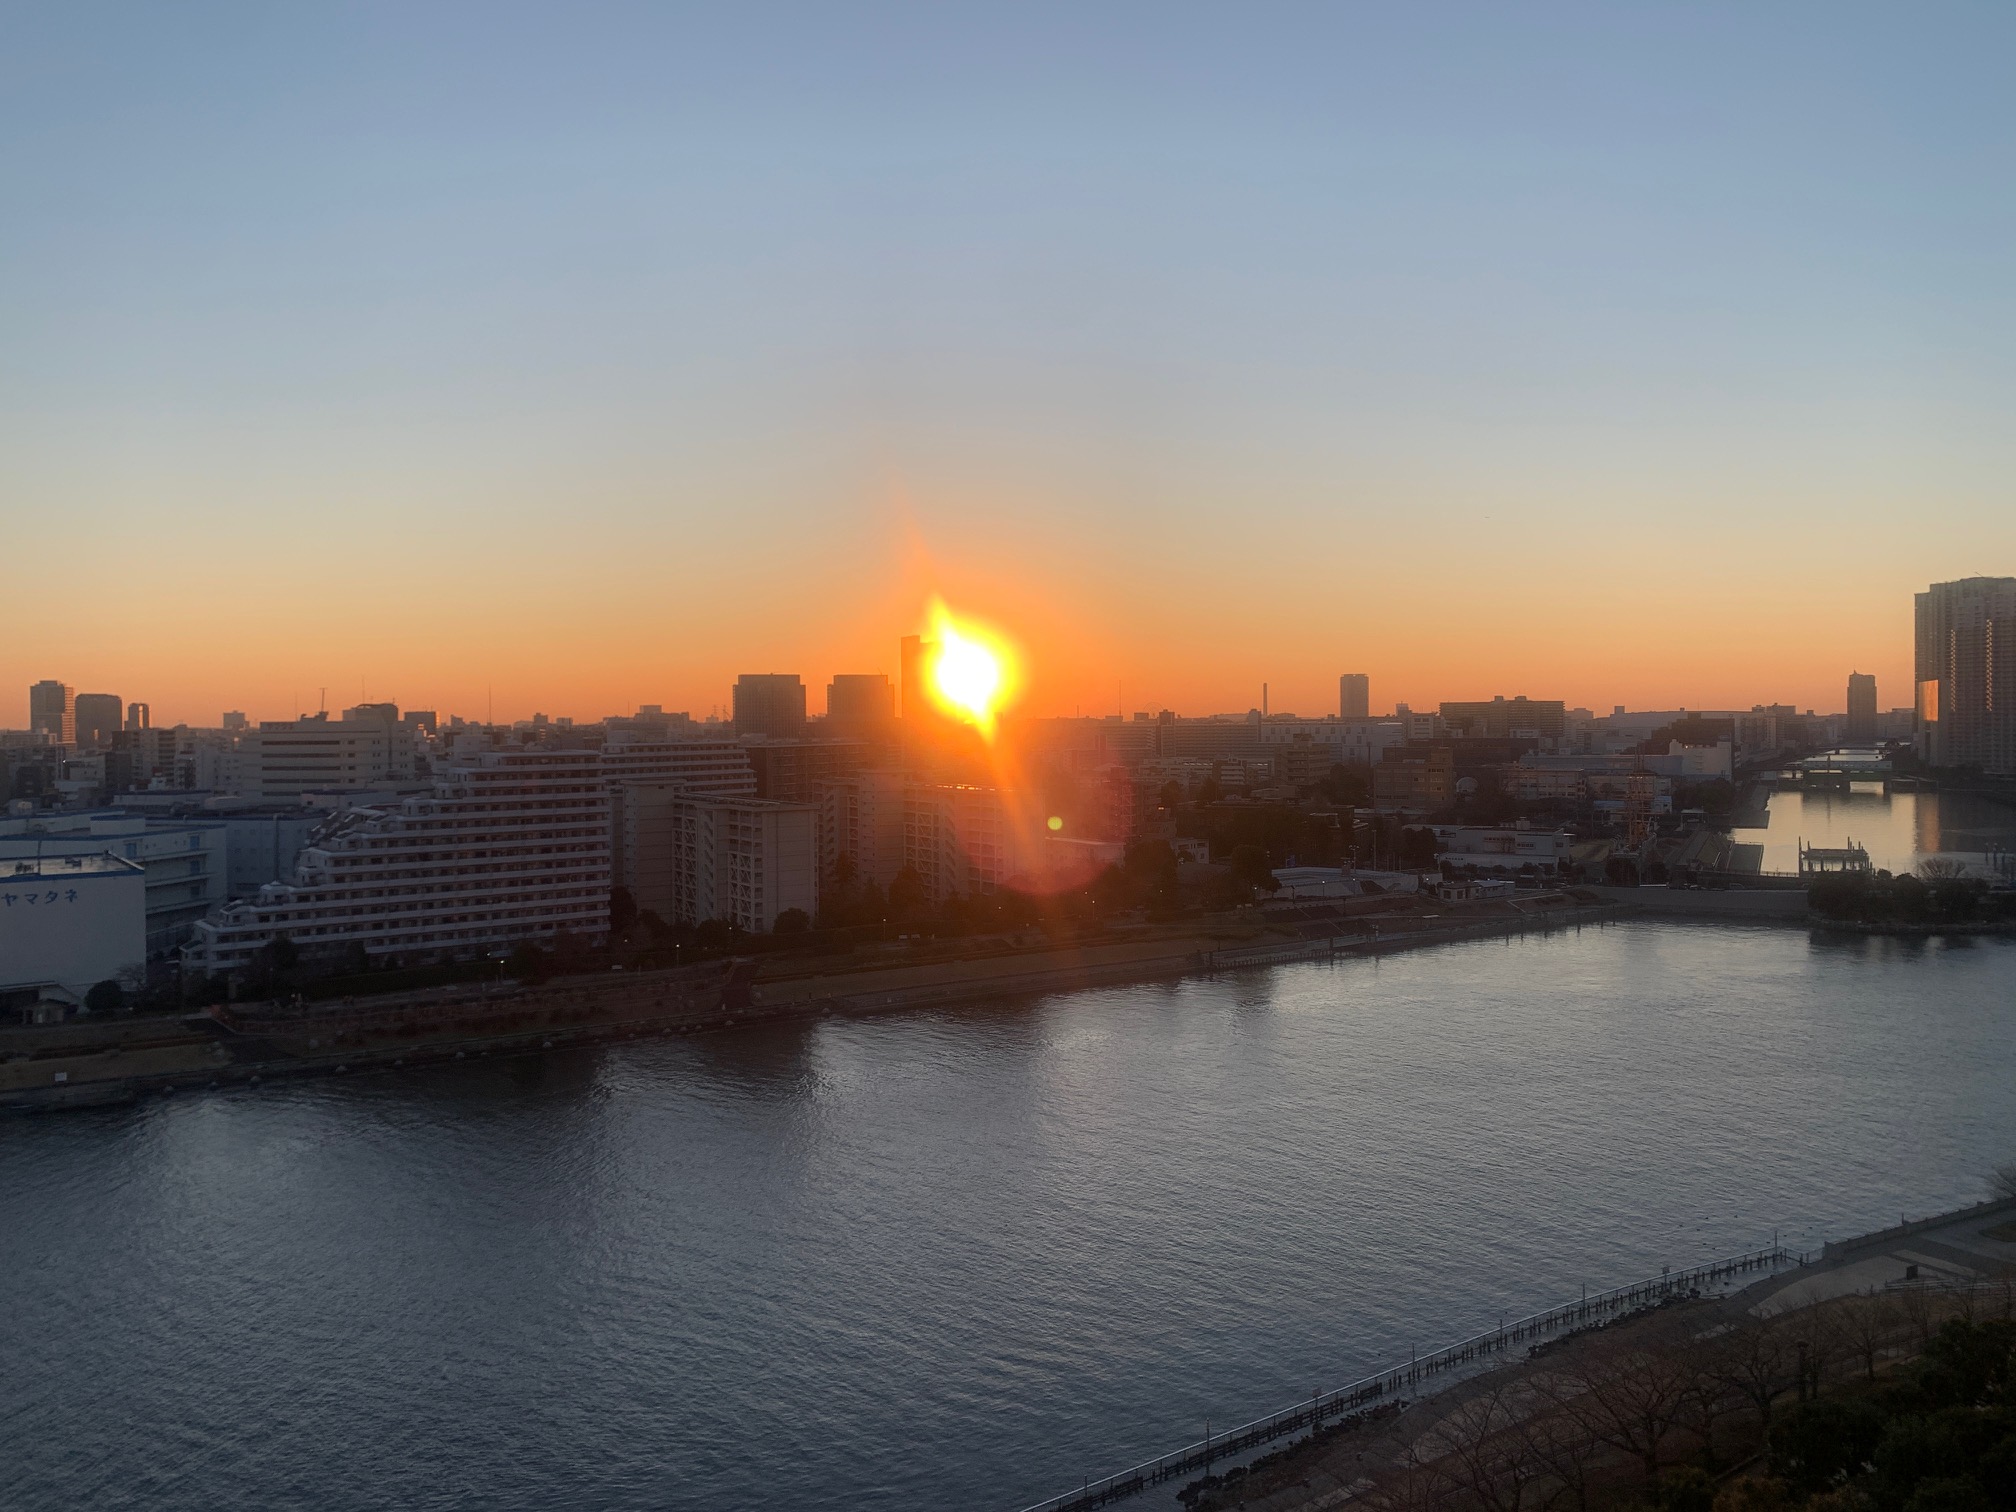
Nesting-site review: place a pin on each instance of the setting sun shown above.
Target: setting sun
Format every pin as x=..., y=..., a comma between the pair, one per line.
x=971, y=671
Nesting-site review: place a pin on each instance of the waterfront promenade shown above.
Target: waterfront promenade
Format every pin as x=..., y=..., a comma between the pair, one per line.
x=1964, y=1260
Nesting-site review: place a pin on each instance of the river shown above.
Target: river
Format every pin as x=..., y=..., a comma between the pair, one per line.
x=1899, y=830
x=950, y=1259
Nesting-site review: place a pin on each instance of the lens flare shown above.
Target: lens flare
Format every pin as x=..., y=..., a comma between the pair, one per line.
x=971, y=671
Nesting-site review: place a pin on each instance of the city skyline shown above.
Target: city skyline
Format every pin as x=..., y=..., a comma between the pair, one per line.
x=1580, y=351
x=814, y=693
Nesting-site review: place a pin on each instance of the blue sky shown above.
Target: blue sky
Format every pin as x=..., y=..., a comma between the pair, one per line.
x=719, y=335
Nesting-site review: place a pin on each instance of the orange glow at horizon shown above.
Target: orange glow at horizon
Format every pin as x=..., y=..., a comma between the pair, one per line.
x=974, y=671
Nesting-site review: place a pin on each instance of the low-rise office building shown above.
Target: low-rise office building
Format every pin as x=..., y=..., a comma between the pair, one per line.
x=368, y=747
x=67, y=922
x=1502, y=850
x=183, y=860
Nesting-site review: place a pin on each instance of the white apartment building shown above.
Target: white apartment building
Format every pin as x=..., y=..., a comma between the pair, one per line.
x=861, y=817
x=740, y=860
x=957, y=839
x=716, y=767
x=705, y=766
x=509, y=845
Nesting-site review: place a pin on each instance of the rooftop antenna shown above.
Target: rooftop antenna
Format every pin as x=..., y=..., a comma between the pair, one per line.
x=1263, y=700
x=325, y=700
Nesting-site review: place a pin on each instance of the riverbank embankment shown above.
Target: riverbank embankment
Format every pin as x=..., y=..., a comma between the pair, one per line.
x=1759, y=905
x=67, y=1066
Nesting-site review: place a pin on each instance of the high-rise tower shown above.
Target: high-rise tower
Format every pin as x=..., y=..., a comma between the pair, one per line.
x=1354, y=695
x=1861, y=708
x=52, y=709
x=1966, y=672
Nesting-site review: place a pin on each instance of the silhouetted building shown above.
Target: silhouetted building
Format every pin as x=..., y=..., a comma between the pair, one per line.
x=860, y=706
x=139, y=716
x=1354, y=696
x=1423, y=779
x=770, y=703
x=915, y=658
x=1504, y=717
x=1861, y=728
x=51, y=709
x=139, y=759
x=99, y=716
x=1966, y=674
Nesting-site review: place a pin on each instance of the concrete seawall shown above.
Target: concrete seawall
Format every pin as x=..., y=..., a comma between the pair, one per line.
x=1761, y=905
x=651, y=1005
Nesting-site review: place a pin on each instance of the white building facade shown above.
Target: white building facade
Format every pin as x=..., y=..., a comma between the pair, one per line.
x=66, y=924
x=744, y=861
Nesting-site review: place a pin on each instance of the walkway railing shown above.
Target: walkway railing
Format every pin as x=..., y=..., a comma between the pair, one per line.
x=1389, y=1384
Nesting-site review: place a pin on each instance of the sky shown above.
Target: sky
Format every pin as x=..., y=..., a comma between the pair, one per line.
x=567, y=358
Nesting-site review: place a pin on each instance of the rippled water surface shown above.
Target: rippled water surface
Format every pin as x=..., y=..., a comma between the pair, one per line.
x=949, y=1260
x=1899, y=830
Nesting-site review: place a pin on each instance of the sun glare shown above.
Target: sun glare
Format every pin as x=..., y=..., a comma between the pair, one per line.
x=971, y=671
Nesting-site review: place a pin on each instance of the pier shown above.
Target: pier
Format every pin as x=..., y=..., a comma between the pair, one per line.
x=1394, y=1383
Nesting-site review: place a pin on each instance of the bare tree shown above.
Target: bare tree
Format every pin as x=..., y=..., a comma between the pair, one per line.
x=1923, y=1308
x=1818, y=1343
x=1758, y=1360
x=1867, y=1327
x=1478, y=1454
x=1632, y=1394
x=1563, y=1447
x=1404, y=1485
x=2002, y=1182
